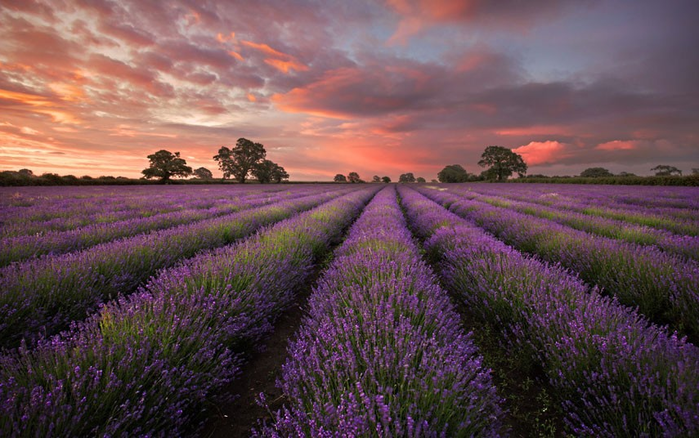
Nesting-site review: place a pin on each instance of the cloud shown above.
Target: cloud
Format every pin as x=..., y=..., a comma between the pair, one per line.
x=405, y=86
x=618, y=145
x=418, y=15
x=538, y=153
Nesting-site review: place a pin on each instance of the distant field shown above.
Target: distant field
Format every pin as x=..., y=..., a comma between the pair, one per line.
x=428, y=310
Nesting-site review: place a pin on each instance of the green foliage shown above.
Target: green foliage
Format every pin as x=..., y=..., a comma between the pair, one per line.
x=503, y=162
x=386, y=179
x=267, y=171
x=420, y=179
x=203, y=173
x=453, y=173
x=165, y=165
x=340, y=178
x=407, y=178
x=240, y=161
x=596, y=172
x=353, y=177
x=665, y=170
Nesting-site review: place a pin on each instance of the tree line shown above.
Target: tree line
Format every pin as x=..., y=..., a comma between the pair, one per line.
x=246, y=159
x=500, y=161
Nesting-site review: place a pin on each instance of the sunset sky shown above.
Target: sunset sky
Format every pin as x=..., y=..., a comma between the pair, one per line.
x=91, y=87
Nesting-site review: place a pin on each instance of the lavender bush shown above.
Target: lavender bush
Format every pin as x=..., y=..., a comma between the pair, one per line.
x=664, y=287
x=33, y=210
x=675, y=209
x=42, y=296
x=381, y=352
x=145, y=365
x=615, y=374
x=686, y=246
x=57, y=242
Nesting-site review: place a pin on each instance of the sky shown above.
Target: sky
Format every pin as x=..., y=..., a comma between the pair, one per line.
x=91, y=87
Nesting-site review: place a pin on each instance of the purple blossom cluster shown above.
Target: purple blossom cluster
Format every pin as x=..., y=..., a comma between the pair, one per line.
x=42, y=296
x=615, y=374
x=24, y=246
x=37, y=210
x=146, y=364
x=686, y=246
x=381, y=352
x=675, y=209
x=664, y=287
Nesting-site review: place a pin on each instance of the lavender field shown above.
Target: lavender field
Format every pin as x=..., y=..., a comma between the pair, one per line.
x=427, y=310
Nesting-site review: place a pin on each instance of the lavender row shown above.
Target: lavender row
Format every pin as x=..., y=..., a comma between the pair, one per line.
x=685, y=246
x=63, y=214
x=382, y=352
x=663, y=286
x=614, y=373
x=683, y=221
x=148, y=363
x=42, y=296
x=22, y=247
x=669, y=200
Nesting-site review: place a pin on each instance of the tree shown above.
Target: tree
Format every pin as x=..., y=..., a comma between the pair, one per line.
x=664, y=170
x=240, y=161
x=626, y=174
x=695, y=171
x=279, y=174
x=353, y=177
x=340, y=178
x=420, y=179
x=203, y=173
x=489, y=174
x=454, y=173
x=407, y=178
x=596, y=172
x=26, y=173
x=503, y=162
x=165, y=165
x=376, y=179
x=386, y=179
x=267, y=171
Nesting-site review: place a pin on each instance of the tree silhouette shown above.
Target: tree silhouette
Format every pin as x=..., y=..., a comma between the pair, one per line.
x=407, y=178
x=386, y=179
x=353, y=177
x=165, y=165
x=241, y=160
x=596, y=172
x=664, y=170
x=503, y=162
x=454, y=173
x=340, y=178
x=268, y=171
x=203, y=173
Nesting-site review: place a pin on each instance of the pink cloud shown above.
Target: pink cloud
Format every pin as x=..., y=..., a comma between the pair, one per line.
x=618, y=145
x=543, y=152
x=419, y=15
